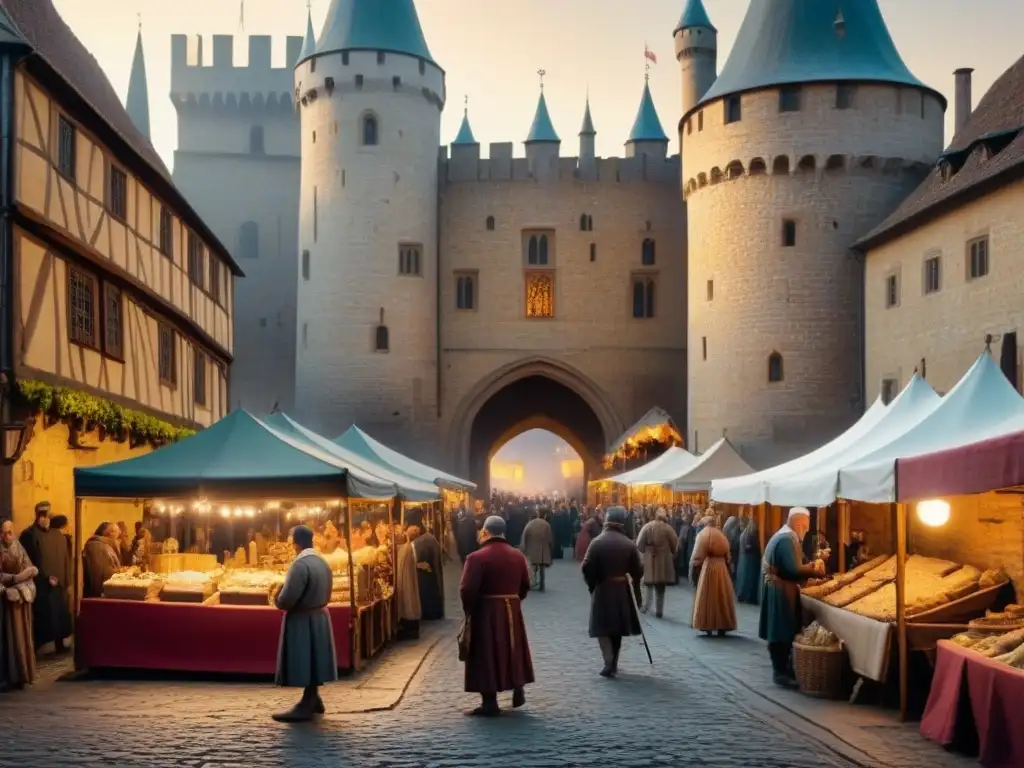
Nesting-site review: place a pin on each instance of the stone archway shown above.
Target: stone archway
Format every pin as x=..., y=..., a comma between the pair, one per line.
x=533, y=402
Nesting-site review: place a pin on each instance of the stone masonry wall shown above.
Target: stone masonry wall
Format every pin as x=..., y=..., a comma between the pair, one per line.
x=839, y=173
x=946, y=328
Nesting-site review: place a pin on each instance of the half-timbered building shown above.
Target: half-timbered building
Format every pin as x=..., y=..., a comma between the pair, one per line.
x=118, y=298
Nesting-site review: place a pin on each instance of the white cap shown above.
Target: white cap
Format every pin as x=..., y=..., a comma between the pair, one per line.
x=798, y=512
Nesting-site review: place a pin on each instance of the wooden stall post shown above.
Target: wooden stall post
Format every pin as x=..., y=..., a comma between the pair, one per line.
x=844, y=516
x=900, y=511
x=354, y=628
x=763, y=525
x=78, y=556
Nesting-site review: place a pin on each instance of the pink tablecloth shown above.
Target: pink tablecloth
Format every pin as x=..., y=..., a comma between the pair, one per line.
x=975, y=699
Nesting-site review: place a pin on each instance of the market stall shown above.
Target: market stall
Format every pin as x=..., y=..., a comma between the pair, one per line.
x=922, y=598
x=648, y=483
x=210, y=608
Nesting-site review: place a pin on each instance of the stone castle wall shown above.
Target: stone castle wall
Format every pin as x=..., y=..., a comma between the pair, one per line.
x=835, y=174
x=633, y=362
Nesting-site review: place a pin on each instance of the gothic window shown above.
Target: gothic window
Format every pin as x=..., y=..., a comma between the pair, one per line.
x=199, y=378
x=381, y=340
x=892, y=291
x=490, y=223
x=82, y=314
x=789, y=99
x=711, y=290
x=249, y=240
x=643, y=296
x=540, y=294
x=113, y=322
x=932, y=275
x=465, y=291
x=66, y=147
x=409, y=257
x=774, y=368
x=256, y=140
x=788, y=233
x=593, y=251
x=305, y=265
x=647, y=255
x=978, y=262
x=369, y=131
x=733, y=110
x=704, y=347
x=168, y=369
x=538, y=249
x=586, y=223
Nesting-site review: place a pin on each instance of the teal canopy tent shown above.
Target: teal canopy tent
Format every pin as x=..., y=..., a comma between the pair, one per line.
x=239, y=457
x=357, y=441
x=411, y=487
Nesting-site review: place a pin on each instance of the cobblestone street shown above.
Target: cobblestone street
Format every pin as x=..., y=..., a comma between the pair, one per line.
x=704, y=703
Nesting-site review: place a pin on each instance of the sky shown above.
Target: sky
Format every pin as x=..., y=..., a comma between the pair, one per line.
x=491, y=51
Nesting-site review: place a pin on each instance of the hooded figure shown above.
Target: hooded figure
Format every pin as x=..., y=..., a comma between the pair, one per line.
x=748, y=570
x=609, y=560
x=714, y=607
x=48, y=551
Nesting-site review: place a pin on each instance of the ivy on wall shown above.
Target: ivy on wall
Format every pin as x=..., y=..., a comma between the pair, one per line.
x=84, y=411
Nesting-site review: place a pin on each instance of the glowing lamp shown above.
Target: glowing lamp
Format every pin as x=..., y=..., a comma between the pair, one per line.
x=933, y=512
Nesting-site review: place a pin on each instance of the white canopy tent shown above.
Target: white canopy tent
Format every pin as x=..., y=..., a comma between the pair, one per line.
x=753, y=488
x=719, y=461
x=982, y=405
x=818, y=485
x=673, y=463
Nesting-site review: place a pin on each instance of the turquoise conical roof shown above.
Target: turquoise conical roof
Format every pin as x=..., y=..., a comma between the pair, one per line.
x=695, y=15
x=647, y=126
x=588, y=122
x=542, y=129
x=785, y=42
x=137, y=102
x=465, y=135
x=373, y=25
x=309, y=41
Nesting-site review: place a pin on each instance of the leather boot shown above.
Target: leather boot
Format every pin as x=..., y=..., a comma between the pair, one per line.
x=488, y=706
x=518, y=698
x=608, y=653
x=302, y=712
x=659, y=601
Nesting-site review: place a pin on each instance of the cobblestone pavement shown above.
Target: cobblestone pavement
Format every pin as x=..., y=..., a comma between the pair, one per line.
x=698, y=706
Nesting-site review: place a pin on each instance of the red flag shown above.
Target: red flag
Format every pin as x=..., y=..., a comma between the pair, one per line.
x=649, y=54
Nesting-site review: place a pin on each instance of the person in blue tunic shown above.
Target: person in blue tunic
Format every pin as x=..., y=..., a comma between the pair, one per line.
x=748, y=572
x=783, y=569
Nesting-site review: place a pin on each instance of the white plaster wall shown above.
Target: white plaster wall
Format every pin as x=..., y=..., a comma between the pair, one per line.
x=368, y=201
x=207, y=130
x=946, y=328
x=803, y=301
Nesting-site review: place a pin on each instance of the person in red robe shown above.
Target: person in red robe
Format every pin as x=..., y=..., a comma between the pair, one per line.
x=495, y=581
x=591, y=530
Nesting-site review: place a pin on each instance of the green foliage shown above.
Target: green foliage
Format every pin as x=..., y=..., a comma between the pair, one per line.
x=70, y=405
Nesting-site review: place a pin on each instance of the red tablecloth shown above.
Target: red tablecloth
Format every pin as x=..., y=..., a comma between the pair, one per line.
x=188, y=637
x=975, y=698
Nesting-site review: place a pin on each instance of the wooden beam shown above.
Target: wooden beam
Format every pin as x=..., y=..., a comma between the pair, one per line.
x=900, y=511
x=844, y=522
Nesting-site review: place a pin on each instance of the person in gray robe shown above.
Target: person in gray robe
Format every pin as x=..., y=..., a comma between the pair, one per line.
x=305, y=656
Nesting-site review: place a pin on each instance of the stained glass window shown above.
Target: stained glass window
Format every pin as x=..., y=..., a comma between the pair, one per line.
x=540, y=294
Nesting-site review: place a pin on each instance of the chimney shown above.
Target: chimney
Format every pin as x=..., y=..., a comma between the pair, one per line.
x=963, y=97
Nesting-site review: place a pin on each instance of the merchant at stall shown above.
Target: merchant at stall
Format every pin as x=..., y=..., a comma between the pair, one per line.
x=305, y=656
x=783, y=569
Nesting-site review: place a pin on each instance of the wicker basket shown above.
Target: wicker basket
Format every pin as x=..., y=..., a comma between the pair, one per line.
x=819, y=670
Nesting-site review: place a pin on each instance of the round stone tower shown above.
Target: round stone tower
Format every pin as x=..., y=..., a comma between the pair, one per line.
x=370, y=98
x=696, y=51
x=813, y=133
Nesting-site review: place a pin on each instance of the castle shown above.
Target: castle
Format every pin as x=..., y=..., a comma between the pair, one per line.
x=448, y=302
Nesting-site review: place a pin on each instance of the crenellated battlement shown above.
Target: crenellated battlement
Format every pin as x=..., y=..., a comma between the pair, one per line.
x=462, y=163
x=209, y=77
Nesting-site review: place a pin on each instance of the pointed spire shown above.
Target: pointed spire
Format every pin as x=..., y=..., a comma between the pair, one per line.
x=695, y=15
x=465, y=135
x=542, y=128
x=588, y=122
x=309, y=41
x=137, y=103
x=647, y=126
x=377, y=25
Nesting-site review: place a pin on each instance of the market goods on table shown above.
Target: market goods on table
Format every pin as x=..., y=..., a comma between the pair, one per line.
x=1005, y=648
x=133, y=584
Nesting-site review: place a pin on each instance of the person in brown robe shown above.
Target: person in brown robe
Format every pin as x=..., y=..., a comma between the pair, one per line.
x=409, y=609
x=714, y=607
x=495, y=581
x=17, y=594
x=658, y=543
x=538, y=545
x=101, y=559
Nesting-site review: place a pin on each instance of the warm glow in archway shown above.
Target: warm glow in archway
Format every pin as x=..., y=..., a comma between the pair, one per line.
x=537, y=462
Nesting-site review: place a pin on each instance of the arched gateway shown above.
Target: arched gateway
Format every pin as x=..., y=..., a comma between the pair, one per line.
x=535, y=394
